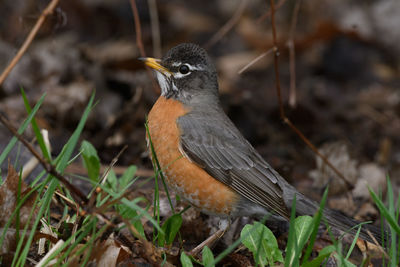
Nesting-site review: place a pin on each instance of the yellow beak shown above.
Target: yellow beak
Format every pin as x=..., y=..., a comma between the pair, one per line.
x=154, y=64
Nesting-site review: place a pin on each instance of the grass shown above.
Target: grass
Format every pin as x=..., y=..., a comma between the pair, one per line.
x=89, y=222
x=108, y=210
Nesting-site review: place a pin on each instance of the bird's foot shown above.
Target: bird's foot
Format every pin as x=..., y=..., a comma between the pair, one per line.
x=210, y=241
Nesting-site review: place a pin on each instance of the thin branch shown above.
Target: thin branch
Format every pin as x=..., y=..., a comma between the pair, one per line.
x=113, y=162
x=376, y=243
x=138, y=28
x=228, y=25
x=268, y=14
x=276, y=60
x=139, y=41
x=47, y=11
x=76, y=193
x=155, y=28
x=281, y=108
x=292, y=56
x=292, y=71
x=76, y=168
x=254, y=61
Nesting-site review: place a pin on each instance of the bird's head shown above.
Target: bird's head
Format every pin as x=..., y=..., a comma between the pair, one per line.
x=185, y=72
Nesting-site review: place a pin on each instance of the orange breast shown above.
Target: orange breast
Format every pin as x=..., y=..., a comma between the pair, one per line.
x=189, y=180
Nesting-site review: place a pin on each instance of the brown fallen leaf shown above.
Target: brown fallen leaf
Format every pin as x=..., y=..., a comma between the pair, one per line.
x=374, y=251
x=11, y=191
x=109, y=253
x=108, y=256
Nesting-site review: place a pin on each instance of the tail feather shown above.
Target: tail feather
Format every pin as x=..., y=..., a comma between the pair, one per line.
x=346, y=224
x=305, y=206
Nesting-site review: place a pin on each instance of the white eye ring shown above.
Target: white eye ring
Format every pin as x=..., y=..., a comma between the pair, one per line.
x=187, y=69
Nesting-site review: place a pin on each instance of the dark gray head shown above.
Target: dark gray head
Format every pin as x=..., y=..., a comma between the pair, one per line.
x=185, y=72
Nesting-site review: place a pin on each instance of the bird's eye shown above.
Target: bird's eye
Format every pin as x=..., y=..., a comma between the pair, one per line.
x=184, y=69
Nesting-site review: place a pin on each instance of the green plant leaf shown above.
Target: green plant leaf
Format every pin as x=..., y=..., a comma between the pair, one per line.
x=127, y=177
x=185, y=260
x=170, y=227
x=262, y=243
x=112, y=180
x=322, y=255
x=131, y=215
x=303, y=227
x=208, y=257
x=90, y=160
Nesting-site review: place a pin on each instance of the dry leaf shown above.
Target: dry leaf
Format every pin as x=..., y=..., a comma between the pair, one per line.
x=108, y=253
x=338, y=154
x=10, y=191
x=9, y=198
x=373, y=176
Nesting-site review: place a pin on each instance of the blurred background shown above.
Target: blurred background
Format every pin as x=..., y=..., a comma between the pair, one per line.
x=345, y=91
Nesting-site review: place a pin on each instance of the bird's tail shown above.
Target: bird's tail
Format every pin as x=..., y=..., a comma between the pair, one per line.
x=305, y=206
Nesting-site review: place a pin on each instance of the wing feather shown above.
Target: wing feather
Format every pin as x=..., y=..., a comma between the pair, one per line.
x=213, y=142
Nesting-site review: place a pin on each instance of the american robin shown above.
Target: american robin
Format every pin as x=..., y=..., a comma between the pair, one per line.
x=204, y=156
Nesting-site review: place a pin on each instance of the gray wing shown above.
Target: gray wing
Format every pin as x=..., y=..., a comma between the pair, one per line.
x=214, y=143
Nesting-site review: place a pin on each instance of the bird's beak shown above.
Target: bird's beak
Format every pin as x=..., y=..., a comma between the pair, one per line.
x=155, y=64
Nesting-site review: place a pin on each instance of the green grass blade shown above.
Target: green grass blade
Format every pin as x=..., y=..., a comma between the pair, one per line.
x=21, y=129
x=61, y=163
x=393, y=247
x=36, y=130
x=45, y=203
x=159, y=169
x=291, y=247
x=385, y=212
x=63, y=159
x=316, y=222
x=353, y=244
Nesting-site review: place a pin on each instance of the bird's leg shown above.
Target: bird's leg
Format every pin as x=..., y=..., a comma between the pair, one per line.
x=223, y=226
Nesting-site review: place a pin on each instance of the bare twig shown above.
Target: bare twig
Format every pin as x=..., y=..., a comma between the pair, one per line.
x=268, y=14
x=138, y=28
x=155, y=28
x=292, y=71
x=139, y=41
x=292, y=55
x=77, y=168
x=276, y=60
x=47, y=11
x=254, y=61
x=76, y=193
x=228, y=25
x=113, y=161
x=281, y=108
x=376, y=243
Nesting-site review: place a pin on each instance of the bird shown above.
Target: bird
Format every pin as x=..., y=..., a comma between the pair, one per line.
x=207, y=160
